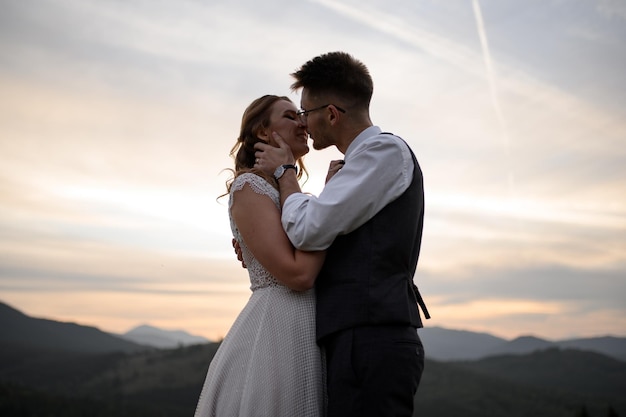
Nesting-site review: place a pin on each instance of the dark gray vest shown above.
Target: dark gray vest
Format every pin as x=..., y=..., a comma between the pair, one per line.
x=367, y=278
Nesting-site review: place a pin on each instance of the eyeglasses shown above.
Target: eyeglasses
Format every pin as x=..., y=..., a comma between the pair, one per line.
x=303, y=113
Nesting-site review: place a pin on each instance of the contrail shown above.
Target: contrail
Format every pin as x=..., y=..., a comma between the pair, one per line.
x=491, y=79
x=440, y=48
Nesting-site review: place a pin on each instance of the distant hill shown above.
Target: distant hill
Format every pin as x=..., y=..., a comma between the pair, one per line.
x=47, y=365
x=445, y=344
x=585, y=373
x=22, y=331
x=539, y=385
x=157, y=382
x=608, y=345
x=551, y=383
x=522, y=345
x=440, y=344
x=452, y=345
x=164, y=339
x=519, y=346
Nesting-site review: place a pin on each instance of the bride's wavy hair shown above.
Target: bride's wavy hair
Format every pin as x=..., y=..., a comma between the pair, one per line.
x=254, y=119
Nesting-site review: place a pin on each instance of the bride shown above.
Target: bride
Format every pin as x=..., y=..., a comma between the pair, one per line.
x=268, y=364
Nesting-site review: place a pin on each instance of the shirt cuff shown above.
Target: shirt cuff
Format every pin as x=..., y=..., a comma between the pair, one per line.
x=291, y=218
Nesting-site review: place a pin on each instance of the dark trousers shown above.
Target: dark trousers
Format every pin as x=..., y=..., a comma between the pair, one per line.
x=373, y=371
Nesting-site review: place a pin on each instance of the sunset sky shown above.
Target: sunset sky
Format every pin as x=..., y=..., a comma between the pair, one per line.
x=117, y=117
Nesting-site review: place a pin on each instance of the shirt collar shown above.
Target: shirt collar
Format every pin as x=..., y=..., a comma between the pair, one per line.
x=362, y=137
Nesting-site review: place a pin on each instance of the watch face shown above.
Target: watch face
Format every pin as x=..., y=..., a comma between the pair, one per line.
x=281, y=170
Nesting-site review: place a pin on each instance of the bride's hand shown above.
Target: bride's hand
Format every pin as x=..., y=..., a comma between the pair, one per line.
x=268, y=157
x=334, y=168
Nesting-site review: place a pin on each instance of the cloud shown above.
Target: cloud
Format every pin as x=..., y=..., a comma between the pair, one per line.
x=612, y=9
x=117, y=119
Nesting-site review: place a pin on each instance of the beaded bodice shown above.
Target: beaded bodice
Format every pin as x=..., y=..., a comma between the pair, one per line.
x=259, y=276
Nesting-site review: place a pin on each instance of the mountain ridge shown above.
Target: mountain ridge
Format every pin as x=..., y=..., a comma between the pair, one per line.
x=551, y=383
x=454, y=345
x=440, y=343
x=149, y=335
x=547, y=383
x=20, y=330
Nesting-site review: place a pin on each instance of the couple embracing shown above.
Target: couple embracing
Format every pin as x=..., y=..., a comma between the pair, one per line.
x=331, y=326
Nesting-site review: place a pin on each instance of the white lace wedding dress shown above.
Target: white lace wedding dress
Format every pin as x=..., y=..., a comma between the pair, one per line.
x=268, y=364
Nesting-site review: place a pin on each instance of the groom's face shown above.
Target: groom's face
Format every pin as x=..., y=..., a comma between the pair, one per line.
x=316, y=121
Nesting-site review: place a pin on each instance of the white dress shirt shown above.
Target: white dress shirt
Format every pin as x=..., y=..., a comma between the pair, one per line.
x=378, y=169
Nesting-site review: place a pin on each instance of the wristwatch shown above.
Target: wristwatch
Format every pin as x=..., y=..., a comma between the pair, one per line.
x=281, y=170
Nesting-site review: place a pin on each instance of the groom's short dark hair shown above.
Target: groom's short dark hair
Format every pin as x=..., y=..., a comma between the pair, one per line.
x=336, y=73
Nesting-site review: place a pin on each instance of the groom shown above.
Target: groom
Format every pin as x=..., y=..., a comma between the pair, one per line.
x=369, y=218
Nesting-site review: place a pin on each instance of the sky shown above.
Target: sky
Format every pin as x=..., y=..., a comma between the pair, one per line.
x=117, y=118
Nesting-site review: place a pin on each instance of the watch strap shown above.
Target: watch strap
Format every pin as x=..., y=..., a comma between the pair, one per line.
x=284, y=169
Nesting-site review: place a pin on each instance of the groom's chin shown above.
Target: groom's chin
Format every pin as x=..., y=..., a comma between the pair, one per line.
x=319, y=146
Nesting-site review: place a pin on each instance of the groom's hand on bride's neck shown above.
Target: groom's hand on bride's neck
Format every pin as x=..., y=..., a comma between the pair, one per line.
x=237, y=248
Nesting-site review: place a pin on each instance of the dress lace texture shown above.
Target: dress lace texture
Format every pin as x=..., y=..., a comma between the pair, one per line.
x=259, y=277
x=269, y=364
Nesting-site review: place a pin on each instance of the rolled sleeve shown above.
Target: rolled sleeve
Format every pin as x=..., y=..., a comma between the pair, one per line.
x=304, y=229
x=377, y=170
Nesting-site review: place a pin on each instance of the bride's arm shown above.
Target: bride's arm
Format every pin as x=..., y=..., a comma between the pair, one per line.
x=258, y=221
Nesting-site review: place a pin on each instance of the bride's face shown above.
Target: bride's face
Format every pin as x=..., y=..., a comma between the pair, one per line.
x=285, y=122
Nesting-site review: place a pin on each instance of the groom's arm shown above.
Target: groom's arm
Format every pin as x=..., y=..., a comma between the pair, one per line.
x=375, y=173
x=379, y=171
